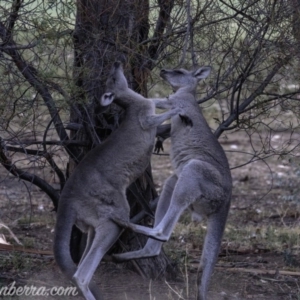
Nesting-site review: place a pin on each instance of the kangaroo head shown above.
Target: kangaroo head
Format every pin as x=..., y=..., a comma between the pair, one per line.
x=179, y=78
x=116, y=84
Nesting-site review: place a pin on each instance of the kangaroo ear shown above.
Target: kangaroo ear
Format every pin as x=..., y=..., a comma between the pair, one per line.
x=107, y=98
x=202, y=72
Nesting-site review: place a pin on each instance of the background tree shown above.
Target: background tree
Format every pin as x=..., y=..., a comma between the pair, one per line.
x=54, y=57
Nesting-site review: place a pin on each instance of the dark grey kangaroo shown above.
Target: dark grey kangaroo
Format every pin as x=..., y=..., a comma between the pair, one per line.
x=98, y=185
x=202, y=180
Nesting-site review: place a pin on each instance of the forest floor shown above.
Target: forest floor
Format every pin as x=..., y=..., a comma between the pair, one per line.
x=259, y=258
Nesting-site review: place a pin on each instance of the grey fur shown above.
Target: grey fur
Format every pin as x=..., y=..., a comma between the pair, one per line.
x=96, y=189
x=201, y=182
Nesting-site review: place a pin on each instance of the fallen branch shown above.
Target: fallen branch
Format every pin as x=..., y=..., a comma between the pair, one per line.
x=11, y=233
x=259, y=271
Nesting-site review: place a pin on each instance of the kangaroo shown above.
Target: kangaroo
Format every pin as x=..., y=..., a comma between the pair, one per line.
x=201, y=181
x=97, y=187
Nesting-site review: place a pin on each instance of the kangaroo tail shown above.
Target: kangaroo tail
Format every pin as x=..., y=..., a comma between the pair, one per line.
x=215, y=228
x=65, y=221
x=62, y=254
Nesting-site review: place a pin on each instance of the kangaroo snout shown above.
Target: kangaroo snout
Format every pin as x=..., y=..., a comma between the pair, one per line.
x=162, y=72
x=117, y=64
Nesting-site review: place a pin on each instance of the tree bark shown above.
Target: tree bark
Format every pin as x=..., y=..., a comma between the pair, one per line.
x=106, y=31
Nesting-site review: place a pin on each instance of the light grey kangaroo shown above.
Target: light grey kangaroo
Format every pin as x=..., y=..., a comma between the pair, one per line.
x=97, y=187
x=202, y=180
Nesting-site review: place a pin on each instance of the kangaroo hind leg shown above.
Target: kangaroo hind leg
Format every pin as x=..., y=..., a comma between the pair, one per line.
x=153, y=247
x=186, y=191
x=103, y=238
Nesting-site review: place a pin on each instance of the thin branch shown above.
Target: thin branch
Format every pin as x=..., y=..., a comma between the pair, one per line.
x=16, y=5
x=33, y=44
x=188, y=32
x=166, y=7
x=240, y=12
x=58, y=143
x=193, y=54
x=224, y=125
x=25, y=151
x=259, y=271
x=48, y=189
x=31, y=75
x=158, y=34
x=23, y=47
x=182, y=30
x=51, y=161
x=246, y=72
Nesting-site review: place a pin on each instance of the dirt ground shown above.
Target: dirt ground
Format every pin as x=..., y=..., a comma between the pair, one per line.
x=260, y=255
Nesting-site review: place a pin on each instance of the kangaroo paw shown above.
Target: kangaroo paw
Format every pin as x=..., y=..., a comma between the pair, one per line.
x=186, y=120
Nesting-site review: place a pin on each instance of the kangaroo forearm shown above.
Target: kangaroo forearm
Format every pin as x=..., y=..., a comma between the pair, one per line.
x=162, y=103
x=155, y=120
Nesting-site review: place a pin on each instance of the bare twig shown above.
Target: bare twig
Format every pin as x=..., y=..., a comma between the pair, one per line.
x=47, y=188
x=51, y=161
x=16, y=5
x=23, y=47
x=259, y=271
x=11, y=233
x=225, y=125
x=31, y=75
x=188, y=32
x=154, y=49
x=241, y=12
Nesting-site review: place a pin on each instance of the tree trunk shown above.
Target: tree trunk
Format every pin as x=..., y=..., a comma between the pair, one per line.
x=107, y=31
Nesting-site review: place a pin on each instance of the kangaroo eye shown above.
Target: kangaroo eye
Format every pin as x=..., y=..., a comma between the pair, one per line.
x=178, y=72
